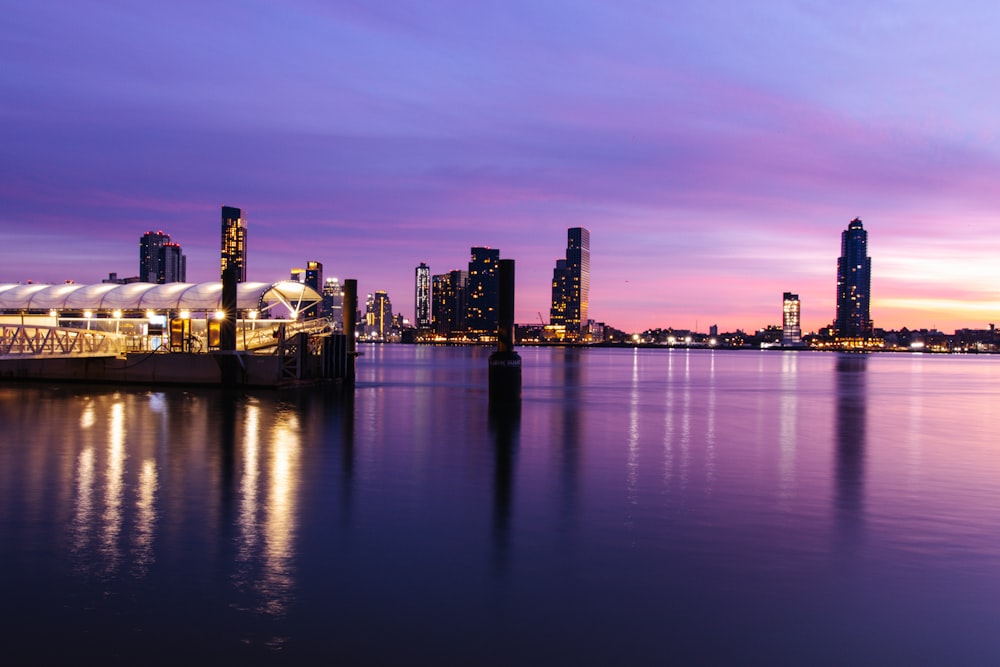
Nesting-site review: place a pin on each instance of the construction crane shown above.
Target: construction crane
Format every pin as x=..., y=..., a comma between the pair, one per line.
x=540, y=318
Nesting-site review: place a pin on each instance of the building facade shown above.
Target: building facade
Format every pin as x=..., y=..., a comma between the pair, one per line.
x=422, y=297
x=571, y=286
x=448, y=303
x=482, y=291
x=854, y=277
x=234, y=242
x=160, y=260
x=378, y=316
x=333, y=302
x=791, y=330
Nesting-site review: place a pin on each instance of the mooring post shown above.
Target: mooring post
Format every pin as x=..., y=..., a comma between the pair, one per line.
x=350, y=311
x=227, y=328
x=505, y=363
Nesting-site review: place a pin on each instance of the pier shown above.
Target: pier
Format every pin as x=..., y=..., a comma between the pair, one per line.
x=266, y=334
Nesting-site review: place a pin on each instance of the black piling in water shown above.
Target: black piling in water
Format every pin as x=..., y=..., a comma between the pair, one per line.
x=228, y=363
x=350, y=311
x=505, y=363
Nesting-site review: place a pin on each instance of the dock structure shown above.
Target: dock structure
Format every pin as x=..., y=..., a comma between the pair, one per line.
x=254, y=334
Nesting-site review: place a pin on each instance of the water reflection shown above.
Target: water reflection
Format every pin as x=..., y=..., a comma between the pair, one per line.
x=850, y=434
x=504, y=426
x=114, y=486
x=787, y=427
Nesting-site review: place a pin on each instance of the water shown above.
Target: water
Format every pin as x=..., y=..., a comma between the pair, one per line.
x=641, y=508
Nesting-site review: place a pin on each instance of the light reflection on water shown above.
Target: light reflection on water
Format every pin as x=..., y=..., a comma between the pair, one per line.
x=636, y=507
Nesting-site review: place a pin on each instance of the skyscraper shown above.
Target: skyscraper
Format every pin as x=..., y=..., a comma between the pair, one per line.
x=449, y=303
x=160, y=260
x=854, y=278
x=791, y=330
x=333, y=302
x=483, y=291
x=234, y=241
x=571, y=285
x=378, y=315
x=422, y=297
x=314, y=275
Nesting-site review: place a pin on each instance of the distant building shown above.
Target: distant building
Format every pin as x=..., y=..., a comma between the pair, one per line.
x=448, y=303
x=482, y=291
x=314, y=275
x=422, y=297
x=854, y=278
x=571, y=285
x=160, y=260
x=333, y=302
x=378, y=316
x=115, y=280
x=234, y=241
x=791, y=330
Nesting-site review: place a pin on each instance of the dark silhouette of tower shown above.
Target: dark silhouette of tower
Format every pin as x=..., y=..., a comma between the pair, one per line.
x=483, y=291
x=234, y=242
x=160, y=260
x=571, y=285
x=448, y=309
x=854, y=279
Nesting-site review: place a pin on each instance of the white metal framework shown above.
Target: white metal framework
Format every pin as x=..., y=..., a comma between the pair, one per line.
x=26, y=339
x=268, y=298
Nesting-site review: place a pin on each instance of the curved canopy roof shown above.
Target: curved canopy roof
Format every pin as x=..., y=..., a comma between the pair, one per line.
x=287, y=294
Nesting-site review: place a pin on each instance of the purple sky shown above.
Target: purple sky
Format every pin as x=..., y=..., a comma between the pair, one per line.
x=715, y=150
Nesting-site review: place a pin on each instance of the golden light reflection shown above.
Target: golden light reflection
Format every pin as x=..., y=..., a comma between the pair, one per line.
x=267, y=527
x=83, y=510
x=145, y=520
x=114, y=487
x=279, y=529
x=88, y=417
x=248, y=534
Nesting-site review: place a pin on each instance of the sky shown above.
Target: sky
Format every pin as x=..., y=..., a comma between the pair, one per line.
x=715, y=151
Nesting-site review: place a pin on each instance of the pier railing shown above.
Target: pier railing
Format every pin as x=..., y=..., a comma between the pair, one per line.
x=23, y=340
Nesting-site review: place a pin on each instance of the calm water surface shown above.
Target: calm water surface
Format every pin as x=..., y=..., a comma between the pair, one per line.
x=640, y=507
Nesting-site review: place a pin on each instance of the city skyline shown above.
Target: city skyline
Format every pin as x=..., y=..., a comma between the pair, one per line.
x=713, y=152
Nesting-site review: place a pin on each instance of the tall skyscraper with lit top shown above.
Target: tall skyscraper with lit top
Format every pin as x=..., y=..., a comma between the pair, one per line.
x=571, y=285
x=422, y=297
x=854, y=279
x=234, y=242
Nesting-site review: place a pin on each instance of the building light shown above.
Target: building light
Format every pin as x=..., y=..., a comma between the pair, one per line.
x=185, y=314
x=220, y=314
x=117, y=314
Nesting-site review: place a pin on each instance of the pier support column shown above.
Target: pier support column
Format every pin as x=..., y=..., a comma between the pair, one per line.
x=505, y=363
x=350, y=310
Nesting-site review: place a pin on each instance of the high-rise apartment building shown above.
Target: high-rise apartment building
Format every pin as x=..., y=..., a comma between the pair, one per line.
x=234, y=241
x=160, y=260
x=483, y=291
x=791, y=330
x=448, y=301
x=314, y=275
x=854, y=278
x=333, y=302
x=571, y=285
x=378, y=315
x=422, y=297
